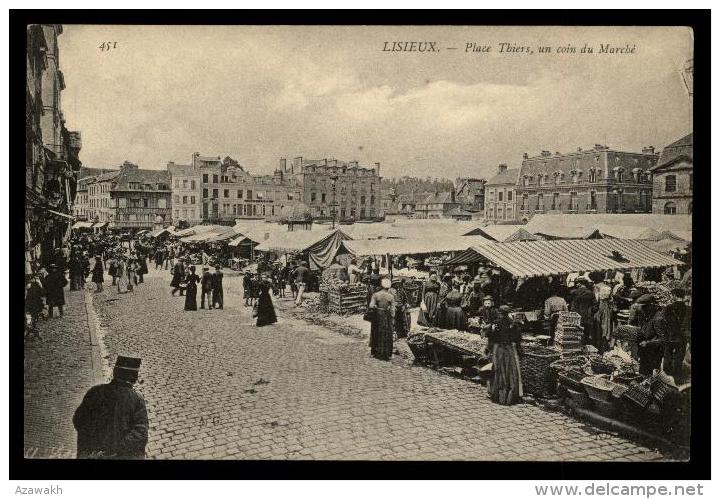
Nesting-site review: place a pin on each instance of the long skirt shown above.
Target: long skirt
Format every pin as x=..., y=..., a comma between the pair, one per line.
x=427, y=318
x=402, y=321
x=191, y=299
x=604, y=326
x=506, y=385
x=381, y=334
x=265, y=311
x=454, y=319
x=122, y=284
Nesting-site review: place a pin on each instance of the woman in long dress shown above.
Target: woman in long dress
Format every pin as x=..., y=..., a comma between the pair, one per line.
x=503, y=342
x=265, y=308
x=429, y=301
x=402, y=314
x=454, y=317
x=98, y=272
x=121, y=277
x=382, y=310
x=604, y=318
x=191, y=290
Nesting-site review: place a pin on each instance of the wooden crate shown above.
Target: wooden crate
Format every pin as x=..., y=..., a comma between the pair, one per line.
x=354, y=302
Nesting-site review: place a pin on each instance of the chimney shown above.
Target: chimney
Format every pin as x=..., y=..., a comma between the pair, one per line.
x=502, y=167
x=526, y=155
x=545, y=153
x=579, y=149
x=377, y=168
x=452, y=195
x=128, y=165
x=648, y=150
x=283, y=164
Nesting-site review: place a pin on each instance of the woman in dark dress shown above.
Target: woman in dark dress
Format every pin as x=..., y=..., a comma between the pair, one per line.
x=54, y=293
x=429, y=301
x=97, y=273
x=191, y=290
x=503, y=341
x=382, y=317
x=265, y=309
x=402, y=314
x=454, y=314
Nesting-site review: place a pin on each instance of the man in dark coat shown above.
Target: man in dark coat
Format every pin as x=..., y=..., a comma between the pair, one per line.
x=583, y=302
x=178, y=274
x=112, y=421
x=206, y=284
x=54, y=293
x=217, y=288
x=33, y=306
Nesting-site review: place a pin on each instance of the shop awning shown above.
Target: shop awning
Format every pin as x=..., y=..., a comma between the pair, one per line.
x=82, y=225
x=100, y=225
x=240, y=240
x=65, y=215
x=140, y=232
x=296, y=241
x=546, y=258
x=436, y=244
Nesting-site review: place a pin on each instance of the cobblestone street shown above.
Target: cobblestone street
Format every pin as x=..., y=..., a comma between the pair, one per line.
x=217, y=387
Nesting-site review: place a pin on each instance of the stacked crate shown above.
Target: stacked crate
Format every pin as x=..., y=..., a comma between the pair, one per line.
x=347, y=302
x=568, y=333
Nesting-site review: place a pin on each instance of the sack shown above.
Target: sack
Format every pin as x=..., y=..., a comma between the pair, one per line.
x=255, y=310
x=369, y=315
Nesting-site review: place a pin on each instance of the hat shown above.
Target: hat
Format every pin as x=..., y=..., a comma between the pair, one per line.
x=645, y=299
x=129, y=363
x=385, y=283
x=504, y=309
x=488, y=297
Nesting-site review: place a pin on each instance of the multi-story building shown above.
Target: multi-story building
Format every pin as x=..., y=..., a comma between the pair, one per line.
x=83, y=210
x=335, y=189
x=500, y=195
x=470, y=193
x=388, y=201
x=209, y=191
x=51, y=151
x=437, y=205
x=597, y=180
x=673, y=179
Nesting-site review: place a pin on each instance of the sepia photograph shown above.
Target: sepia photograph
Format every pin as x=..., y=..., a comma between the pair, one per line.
x=358, y=243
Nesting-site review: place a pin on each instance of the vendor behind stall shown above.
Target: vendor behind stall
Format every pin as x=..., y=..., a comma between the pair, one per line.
x=553, y=306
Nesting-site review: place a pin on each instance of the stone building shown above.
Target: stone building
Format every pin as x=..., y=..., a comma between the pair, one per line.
x=51, y=150
x=673, y=179
x=83, y=208
x=500, y=195
x=332, y=188
x=209, y=191
x=597, y=180
x=437, y=205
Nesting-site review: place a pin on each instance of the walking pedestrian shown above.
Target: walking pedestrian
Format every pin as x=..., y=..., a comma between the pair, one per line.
x=121, y=275
x=301, y=278
x=111, y=268
x=265, y=309
x=33, y=306
x=54, y=284
x=98, y=272
x=178, y=273
x=217, y=290
x=247, y=288
x=191, y=289
x=206, y=287
x=112, y=420
x=142, y=268
x=382, y=316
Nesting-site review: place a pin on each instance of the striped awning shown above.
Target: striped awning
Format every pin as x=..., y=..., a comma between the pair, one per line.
x=546, y=258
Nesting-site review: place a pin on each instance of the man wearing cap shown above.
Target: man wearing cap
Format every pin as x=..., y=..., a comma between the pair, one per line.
x=217, y=288
x=54, y=293
x=112, y=421
x=301, y=278
x=206, y=284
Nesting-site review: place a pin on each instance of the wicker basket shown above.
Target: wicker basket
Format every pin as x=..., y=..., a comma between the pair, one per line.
x=419, y=348
x=602, y=366
x=569, y=318
x=537, y=376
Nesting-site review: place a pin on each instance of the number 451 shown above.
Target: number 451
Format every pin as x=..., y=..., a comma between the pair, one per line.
x=105, y=46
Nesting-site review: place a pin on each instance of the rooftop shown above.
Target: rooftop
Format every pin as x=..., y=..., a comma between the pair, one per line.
x=507, y=177
x=682, y=148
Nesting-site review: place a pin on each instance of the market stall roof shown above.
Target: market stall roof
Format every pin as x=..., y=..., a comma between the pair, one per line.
x=503, y=233
x=159, y=232
x=546, y=258
x=204, y=235
x=547, y=222
x=195, y=229
x=666, y=245
x=222, y=235
x=680, y=235
x=295, y=241
x=82, y=225
x=436, y=244
x=628, y=232
x=240, y=239
x=141, y=232
x=569, y=232
x=98, y=225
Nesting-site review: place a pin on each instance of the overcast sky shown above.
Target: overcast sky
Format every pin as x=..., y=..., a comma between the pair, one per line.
x=261, y=93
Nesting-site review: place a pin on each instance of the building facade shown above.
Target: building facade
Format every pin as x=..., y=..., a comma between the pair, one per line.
x=51, y=150
x=598, y=180
x=470, y=193
x=499, y=197
x=208, y=191
x=673, y=179
x=437, y=205
x=336, y=189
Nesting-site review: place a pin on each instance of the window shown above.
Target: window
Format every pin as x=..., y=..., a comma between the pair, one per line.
x=592, y=176
x=523, y=202
x=192, y=184
x=176, y=199
x=185, y=184
x=145, y=202
x=235, y=209
x=205, y=193
x=555, y=201
x=215, y=179
x=573, y=201
x=540, y=202
x=509, y=195
x=670, y=184
x=205, y=178
x=249, y=194
x=312, y=197
x=226, y=193
x=254, y=209
x=500, y=195
x=215, y=193
x=362, y=201
x=239, y=194
x=322, y=197
x=372, y=200
x=192, y=199
x=177, y=183
x=670, y=208
x=593, y=200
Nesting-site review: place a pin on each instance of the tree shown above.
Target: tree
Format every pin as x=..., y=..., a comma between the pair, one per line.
x=228, y=161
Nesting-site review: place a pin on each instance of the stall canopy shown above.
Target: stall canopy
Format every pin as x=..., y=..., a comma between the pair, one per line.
x=100, y=225
x=546, y=258
x=569, y=232
x=205, y=234
x=320, y=246
x=160, y=232
x=196, y=229
x=543, y=223
x=82, y=225
x=503, y=233
x=628, y=232
x=412, y=246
